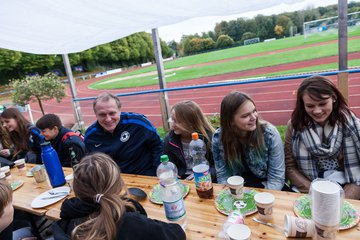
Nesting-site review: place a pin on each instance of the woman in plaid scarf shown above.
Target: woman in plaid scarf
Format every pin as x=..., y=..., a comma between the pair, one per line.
x=323, y=138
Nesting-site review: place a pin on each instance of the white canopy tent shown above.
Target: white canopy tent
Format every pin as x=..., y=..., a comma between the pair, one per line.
x=67, y=26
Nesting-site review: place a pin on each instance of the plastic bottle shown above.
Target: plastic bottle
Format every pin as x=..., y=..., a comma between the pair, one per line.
x=52, y=164
x=171, y=192
x=201, y=167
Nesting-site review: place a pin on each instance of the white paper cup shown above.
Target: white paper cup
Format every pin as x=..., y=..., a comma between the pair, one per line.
x=298, y=227
x=264, y=203
x=20, y=165
x=238, y=232
x=236, y=185
x=326, y=203
x=7, y=172
x=2, y=176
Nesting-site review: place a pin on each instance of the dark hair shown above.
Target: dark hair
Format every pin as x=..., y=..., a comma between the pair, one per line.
x=233, y=147
x=105, y=97
x=193, y=119
x=316, y=87
x=49, y=121
x=19, y=137
x=98, y=174
x=5, y=137
x=5, y=195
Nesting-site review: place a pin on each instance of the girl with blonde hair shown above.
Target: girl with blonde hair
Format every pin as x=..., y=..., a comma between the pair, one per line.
x=186, y=118
x=103, y=210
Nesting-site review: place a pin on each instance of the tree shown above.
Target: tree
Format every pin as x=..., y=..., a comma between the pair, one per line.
x=224, y=41
x=279, y=30
x=38, y=88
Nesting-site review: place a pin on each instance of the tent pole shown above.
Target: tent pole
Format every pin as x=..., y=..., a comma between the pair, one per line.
x=343, y=82
x=164, y=101
x=76, y=105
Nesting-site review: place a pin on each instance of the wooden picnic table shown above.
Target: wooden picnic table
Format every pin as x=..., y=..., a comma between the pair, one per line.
x=203, y=220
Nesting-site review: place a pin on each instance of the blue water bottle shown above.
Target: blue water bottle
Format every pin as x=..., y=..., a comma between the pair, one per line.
x=52, y=164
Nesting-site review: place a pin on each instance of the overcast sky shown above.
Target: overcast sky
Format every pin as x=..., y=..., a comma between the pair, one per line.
x=204, y=24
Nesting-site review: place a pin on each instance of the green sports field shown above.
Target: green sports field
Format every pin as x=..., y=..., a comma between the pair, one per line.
x=269, y=54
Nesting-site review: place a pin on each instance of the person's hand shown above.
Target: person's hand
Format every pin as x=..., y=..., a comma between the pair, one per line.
x=5, y=152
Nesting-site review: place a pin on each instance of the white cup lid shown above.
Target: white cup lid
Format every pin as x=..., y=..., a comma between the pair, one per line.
x=264, y=198
x=20, y=161
x=5, y=169
x=235, y=180
x=238, y=232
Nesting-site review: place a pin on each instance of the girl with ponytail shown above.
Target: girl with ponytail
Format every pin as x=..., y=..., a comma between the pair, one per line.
x=102, y=209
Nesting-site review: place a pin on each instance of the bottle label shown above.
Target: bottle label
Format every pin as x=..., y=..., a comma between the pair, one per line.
x=202, y=177
x=174, y=210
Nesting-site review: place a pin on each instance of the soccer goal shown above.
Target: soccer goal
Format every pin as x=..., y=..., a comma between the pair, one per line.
x=329, y=25
x=251, y=41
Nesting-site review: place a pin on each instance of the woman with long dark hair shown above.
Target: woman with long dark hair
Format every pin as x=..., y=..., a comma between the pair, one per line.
x=103, y=210
x=323, y=138
x=247, y=146
x=25, y=136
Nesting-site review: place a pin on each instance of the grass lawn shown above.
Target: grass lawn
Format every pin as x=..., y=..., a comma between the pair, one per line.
x=272, y=59
x=246, y=50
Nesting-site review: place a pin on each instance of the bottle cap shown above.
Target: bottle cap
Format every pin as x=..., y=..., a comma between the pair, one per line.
x=195, y=136
x=164, y=158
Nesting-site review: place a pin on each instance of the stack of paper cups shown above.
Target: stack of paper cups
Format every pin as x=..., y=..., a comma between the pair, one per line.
x=326, y=198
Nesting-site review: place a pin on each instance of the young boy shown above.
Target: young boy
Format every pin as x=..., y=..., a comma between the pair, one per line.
x=69, y=145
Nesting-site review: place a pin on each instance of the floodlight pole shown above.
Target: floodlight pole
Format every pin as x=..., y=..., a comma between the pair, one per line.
x=164, y=101
x=343, y=82
x=76, y=105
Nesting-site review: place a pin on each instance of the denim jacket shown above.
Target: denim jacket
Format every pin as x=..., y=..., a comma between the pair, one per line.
x=271, y=166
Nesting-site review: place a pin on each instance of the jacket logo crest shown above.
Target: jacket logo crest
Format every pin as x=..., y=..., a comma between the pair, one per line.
x=124, y=136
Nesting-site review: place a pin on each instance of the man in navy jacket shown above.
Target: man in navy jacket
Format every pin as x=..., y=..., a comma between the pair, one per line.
x=129, y=138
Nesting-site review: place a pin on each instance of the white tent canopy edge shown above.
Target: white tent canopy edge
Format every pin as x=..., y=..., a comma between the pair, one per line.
x=67, y=26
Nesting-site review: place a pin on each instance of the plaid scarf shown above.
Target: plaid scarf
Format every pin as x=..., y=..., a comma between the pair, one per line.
x=309, y=148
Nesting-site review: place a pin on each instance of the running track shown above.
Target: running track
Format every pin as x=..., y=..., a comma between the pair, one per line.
x=274, y=100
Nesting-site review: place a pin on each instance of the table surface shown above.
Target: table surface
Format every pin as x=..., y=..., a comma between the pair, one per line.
x=204, y=221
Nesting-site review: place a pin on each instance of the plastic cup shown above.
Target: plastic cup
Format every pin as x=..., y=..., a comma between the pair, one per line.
x=298, y=227
x=264, y=203
x=236, y=185
x=325, y=232
x=238, y=232
x=39, y=173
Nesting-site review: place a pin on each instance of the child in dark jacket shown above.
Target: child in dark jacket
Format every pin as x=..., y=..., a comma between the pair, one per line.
x=186, y=118
x=102, y=209
x=69, y=145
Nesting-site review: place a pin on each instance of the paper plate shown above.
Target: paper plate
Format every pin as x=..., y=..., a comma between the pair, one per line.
x=349, y=218
x=46, y=199
x=155, y=194
x=16, y=184
x=224, y=202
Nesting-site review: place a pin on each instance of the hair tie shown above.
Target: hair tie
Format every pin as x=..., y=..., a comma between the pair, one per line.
x=98, y=197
